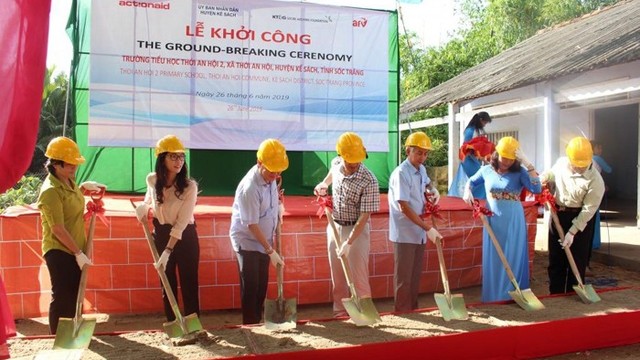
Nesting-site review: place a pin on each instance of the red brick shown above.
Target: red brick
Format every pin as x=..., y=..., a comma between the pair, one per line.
x=35, y=305
x=469, y=277
x=295, y=225
x=10, y=253
x=311, y=244
x=126, y=227
x=314, y=292
x=380, y=222
x=31, y=253
x=380, y=242
x=227, y=272
x=289, y=245
x=461, y=259
x=431, y=282
x=100, y=230
x=147, y=300
x=298, y=269
x=15, y=305
x=216, y=297
x=207, y=273
x=218, y=248
x=128, y=276
x=153, y=279
x=139, y=252
x=382, y=264
x=318, y=225
x=221, y=226
x=114, y=301
x=322, y=271
x=110, y=251
x=205, y=226
x=100, y=277
x=380, y=286
x=21, y=280
x=20, y=228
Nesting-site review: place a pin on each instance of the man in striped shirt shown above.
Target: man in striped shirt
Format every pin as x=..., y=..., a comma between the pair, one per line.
x=355, y=197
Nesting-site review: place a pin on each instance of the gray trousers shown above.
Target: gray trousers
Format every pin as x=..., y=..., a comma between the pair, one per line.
x=406, y=274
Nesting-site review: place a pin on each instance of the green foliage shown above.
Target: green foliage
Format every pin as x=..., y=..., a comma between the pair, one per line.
x=54, y=97
x=23, y=193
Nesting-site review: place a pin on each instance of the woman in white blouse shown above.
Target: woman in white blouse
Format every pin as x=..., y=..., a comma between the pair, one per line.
x=172, y=194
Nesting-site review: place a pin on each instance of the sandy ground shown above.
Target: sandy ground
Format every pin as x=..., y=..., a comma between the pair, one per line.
x=224, y=339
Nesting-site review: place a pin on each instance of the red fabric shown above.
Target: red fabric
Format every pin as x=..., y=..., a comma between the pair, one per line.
x=24, y=28
x=7, y=325
x=512, y=342
x=480, y=145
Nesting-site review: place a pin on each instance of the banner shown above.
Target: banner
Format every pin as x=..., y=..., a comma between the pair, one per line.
x=228, y=74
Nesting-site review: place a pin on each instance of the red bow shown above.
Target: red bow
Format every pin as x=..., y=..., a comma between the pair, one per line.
x=324, y=202
x=431, y=209
x=477, y=209
x=96, y=206
x=547, y=197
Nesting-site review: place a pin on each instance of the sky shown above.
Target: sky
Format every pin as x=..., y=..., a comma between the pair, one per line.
x=432, y=20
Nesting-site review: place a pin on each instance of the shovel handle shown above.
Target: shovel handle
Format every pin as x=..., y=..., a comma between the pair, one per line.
x=498, y=248
x=443, y=266
x=343, y=260
x=567, y=250
x=163, y=277
x=84, y=277
x=279, y=269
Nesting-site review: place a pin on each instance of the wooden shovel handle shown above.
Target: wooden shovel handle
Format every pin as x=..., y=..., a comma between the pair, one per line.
x=498, y=248
x=567, y=250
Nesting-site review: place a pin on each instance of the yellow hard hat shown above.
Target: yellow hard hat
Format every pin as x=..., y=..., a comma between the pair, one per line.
x=580, y=152
x=64, y=149
x=418, y=139
x=507, y=147
x=273, y=155
x=350, y=148
x=169, y=143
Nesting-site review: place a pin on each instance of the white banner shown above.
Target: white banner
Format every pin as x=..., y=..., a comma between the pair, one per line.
x=229, y=74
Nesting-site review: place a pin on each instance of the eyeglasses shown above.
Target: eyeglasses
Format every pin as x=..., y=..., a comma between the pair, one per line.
x=175, y=157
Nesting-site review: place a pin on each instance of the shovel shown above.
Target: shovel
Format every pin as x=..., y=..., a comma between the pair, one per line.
x=181, y=327
x=450, y=306
x=76, y=333
x=525, y=298
x=361, y=310
x=280, y=314
x=586, y=292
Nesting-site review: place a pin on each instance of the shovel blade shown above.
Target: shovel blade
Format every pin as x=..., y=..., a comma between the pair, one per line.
x=587, y=294
x=191, y=325
x=362, y=311
x=72, y=335
x=526, y=299
x=452, y=306
x=280, y=314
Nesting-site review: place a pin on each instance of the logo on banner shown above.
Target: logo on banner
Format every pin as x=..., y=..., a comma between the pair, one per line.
x=362, y=22
x=163, y=5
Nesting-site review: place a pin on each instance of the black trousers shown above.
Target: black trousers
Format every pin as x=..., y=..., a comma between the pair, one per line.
x=561, y=278
x=253, y=267
x=65, y=281
x=185, y=257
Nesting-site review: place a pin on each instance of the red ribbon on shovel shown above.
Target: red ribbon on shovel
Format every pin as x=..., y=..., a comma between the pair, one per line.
x=324, y=202
x=431, y=209
x=477, y=210
x=547, y=197
x=96, y=205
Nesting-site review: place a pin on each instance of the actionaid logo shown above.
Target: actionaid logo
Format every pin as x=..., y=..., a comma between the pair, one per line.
x=165, y=5
x=362, y=22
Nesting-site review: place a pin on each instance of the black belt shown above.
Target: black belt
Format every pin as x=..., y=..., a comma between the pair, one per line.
x=568, y=209
x=346, y=223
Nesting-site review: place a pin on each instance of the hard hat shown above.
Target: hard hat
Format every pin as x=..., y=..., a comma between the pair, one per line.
x=350, y=148
x=64, y=149
x=273, y=156
x=580, y=152
x=169, y=143
x=418, y=139
x=507, y=147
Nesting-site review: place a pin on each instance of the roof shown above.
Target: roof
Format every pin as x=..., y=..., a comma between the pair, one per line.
x=606, y=37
